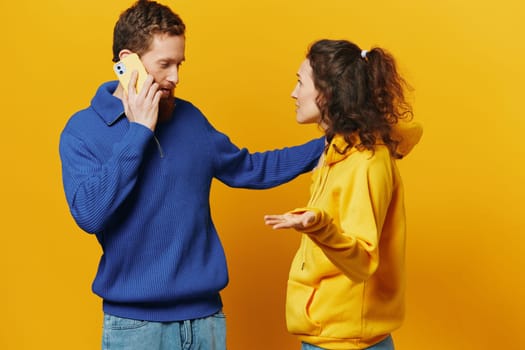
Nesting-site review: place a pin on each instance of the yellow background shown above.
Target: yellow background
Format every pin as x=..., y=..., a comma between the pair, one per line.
x=464, y=182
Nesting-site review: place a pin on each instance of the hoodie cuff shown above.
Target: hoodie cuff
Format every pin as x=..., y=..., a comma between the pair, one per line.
x=321, y=220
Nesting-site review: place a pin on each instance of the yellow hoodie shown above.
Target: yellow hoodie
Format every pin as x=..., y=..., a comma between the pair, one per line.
x=347, y=280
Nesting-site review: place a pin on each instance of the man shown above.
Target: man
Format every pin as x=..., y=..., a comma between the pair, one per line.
x=140, y=181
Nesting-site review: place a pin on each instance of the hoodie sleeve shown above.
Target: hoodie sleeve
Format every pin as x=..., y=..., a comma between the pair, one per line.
x=349, y=237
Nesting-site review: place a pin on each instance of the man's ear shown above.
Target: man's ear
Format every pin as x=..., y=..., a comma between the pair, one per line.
x=123, y=53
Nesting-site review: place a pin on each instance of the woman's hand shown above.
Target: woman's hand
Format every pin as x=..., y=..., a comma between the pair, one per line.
x=298, y=221
x=142, y=107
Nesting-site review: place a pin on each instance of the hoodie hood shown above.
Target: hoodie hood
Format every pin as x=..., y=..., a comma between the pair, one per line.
x=407, y=133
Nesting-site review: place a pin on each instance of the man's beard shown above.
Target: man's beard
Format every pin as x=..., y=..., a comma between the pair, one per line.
x=166, y=107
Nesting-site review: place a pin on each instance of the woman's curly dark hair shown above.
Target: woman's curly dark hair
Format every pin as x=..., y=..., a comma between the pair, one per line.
x=358, y=95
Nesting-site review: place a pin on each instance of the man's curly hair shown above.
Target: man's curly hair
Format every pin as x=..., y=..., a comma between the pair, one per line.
x=137, y=25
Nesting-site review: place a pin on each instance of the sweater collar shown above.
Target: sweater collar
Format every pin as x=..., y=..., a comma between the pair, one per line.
x=107, y=106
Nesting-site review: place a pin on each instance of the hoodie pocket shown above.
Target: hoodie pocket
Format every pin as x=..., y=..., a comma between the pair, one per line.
x=298, y=300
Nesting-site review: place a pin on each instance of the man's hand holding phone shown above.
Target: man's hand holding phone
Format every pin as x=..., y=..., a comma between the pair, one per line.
x=142, y=107
x=141, y=94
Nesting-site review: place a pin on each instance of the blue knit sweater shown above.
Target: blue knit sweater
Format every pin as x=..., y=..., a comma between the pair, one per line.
x=145, y=196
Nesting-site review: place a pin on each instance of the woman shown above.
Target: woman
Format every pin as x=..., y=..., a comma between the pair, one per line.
x=346, y=283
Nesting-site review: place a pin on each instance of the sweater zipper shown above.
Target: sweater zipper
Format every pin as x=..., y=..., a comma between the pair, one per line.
x=159, y=147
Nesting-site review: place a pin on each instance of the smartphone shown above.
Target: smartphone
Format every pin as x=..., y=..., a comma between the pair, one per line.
x=126, y=66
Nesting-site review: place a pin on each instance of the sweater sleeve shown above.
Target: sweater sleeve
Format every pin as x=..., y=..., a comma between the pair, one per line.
x=239, y=168
x=353, y=244
x=94, y=189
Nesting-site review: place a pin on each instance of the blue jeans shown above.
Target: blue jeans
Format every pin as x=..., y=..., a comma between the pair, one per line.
x=201, y=334
x=386, y=344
